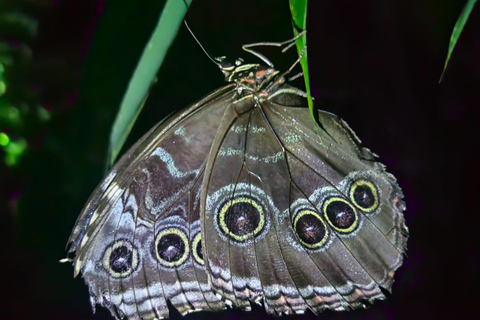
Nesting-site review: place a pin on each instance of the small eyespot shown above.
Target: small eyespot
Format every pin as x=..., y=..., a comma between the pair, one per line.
x=120, y=258
x=340, y=214
x=241, y=218
x=310, y=228
x=171, y=247
x=197, y=248
x=364, y=195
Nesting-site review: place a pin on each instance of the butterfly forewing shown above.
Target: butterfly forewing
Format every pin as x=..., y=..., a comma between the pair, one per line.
x=133, y=239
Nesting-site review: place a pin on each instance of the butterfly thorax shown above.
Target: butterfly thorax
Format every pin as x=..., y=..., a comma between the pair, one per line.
x=257, y=82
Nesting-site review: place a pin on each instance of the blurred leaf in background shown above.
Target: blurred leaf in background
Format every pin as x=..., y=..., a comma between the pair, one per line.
x=19, y=109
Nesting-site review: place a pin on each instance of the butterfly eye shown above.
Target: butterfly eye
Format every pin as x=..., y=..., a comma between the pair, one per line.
x=120, y=259
x=364, y=195
x=241, y=218
x=197, y=248
x=171, y=247
x=340, y=214
x=310, y=229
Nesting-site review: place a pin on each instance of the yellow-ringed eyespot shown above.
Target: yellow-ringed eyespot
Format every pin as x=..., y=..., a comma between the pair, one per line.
x=310, y=228
x=340, y=214
x=197, y=248
x=364, y=195
x=241, y=218
x=120, y=258
x=171, y=247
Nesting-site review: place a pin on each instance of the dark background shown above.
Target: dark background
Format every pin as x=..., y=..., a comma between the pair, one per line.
x=375, y=63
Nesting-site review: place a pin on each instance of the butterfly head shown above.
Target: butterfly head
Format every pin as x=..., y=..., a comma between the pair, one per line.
x=251, y=78
x=245, y=72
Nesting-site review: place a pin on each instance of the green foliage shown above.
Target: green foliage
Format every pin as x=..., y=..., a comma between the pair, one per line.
x=143, y=77
x=4, y=139
x=457, y=31
x=3, y=85
x=14, y=150
x=298, y=8
x=18, y=110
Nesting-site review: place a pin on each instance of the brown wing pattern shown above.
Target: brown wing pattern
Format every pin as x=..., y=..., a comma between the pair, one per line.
x=296, y=220
x=239, y=199
x=134, y=240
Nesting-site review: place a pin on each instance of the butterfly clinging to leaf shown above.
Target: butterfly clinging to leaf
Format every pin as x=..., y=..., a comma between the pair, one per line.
x=240, y=199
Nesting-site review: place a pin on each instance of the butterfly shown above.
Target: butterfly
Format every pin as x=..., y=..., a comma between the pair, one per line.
x=239, y=199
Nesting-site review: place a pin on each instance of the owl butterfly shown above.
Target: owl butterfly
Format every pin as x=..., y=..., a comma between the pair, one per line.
x=239, y=199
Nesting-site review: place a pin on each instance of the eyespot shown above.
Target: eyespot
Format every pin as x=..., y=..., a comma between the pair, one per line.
x=340, y=214
x=171, y=247
x=197, y=248
x=310, y=228
x=241, y=218
x=120, y=258
x=364, y=195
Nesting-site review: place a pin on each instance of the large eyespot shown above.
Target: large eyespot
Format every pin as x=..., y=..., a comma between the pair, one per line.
x=310, y=228
x=340, y=214
x=364, y=195
x=171, y=247
x=120, y=258
x=241, y=218
x=197, y=248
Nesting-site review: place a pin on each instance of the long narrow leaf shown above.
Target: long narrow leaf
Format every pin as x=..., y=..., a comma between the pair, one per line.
x=457, y=31
x=298, y=8
x=152, y=57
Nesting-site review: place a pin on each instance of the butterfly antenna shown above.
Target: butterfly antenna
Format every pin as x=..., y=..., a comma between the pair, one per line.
x=198, y=42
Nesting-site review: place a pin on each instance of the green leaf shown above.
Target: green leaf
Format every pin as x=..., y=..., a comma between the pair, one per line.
x=298, y=8
x=457, y=31
x=152, y=57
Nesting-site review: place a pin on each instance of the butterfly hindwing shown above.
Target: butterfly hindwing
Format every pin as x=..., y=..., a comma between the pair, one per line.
x=321, y=218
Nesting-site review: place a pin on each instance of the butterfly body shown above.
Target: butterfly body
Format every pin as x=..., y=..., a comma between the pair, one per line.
x=236, y=200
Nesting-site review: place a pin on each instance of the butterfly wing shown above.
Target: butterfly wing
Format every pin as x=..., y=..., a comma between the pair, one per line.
x=294, y=219
x=138, y=239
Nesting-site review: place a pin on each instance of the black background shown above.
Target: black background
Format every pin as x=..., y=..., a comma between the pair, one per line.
x=375, y=63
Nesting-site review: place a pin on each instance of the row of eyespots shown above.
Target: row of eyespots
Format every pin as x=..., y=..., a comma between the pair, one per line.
x=339, y=213
x=171, y=250
x=243, y=218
